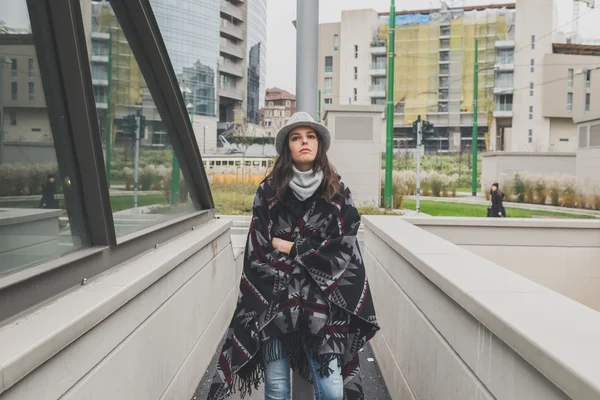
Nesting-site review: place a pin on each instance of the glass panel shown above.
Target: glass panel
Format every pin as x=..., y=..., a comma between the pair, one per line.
x=40, y=213
x=146, y=184
x=328, y=85
x=328, y=64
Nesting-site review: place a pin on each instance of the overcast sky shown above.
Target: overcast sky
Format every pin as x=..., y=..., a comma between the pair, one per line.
x=281, y=34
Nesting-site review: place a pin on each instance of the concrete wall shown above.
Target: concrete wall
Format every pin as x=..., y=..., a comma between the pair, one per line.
x=456, y=326
x=356, y=149
x=495, y=164
x=556, y=73
x=563, y=135
x=539, y=18
x=32, y=125
x=29, y=153
x=560, y=255
x=588, y=165
x=206, y=144
x=144, y=330
x=326, y=38
x=368, y=21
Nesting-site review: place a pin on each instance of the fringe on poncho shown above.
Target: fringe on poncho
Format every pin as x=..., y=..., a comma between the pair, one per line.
x=327, y=253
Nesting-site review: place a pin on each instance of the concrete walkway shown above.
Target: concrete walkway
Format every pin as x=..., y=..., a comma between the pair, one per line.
x=525, y=206
x=373, y=383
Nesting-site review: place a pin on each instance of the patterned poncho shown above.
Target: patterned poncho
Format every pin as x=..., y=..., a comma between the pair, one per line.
x=316, y=300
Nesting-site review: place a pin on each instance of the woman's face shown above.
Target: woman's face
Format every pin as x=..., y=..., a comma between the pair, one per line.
x=304, y=145
x=494, y=188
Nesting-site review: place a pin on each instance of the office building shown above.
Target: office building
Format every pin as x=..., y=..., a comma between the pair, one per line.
x=232, y=76
x=257, y=58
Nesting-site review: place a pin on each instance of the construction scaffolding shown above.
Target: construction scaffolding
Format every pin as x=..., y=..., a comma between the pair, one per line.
x=434, y=66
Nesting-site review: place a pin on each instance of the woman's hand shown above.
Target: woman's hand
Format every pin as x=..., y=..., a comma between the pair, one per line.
x=282, y=245
x=500, y=214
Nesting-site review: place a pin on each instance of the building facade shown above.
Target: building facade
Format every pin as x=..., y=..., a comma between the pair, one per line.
x=22, y=104
x=232, y=87
x=553, y=83
x=257, y=58
x=280, y=105
x=433, y=68
x=526, y=93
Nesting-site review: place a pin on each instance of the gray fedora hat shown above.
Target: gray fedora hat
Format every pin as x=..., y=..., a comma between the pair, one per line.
x=299, y=119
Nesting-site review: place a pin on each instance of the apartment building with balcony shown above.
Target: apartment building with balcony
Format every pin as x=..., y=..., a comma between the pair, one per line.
x=537, y=96
x=233, y=59
x=22, y=102
x=433, y=68
x=349, y=73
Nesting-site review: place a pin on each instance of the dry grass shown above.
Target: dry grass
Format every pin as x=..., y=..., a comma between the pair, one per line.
x=234, y=197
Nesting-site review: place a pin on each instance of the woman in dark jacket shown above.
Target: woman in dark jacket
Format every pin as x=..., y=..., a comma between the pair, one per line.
x=48, y=191
x=305, y=302
x=498, y=210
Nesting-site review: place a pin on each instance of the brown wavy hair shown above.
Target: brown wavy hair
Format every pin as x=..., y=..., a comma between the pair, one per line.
x=282, y=172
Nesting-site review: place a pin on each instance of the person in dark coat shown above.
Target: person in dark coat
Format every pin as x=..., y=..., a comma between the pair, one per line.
x=48, y=191
x=498, y=210
x=305, y=302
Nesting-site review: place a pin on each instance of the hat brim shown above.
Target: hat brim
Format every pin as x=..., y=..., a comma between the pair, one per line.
x=321, y=130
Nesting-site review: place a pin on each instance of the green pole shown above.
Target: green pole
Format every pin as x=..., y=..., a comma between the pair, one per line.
x=175, y=173
x=319, y=109
x=475, y=113
x=389, y=145
x=109, y=111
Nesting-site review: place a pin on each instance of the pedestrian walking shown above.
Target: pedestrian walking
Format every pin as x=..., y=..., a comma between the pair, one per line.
x=304, y=302
x=48, y=199
x=497, y=210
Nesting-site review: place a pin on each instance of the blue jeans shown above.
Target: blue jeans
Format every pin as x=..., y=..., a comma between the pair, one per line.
x=277, y=381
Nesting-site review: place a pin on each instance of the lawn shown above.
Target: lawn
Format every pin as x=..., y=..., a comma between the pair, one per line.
x=447, y=209
x=118, y=203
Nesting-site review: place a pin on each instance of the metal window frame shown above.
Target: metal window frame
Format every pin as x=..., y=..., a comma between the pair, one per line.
x=69, y=95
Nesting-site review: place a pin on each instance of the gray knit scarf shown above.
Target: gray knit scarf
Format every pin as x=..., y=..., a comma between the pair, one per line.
x=305, y=184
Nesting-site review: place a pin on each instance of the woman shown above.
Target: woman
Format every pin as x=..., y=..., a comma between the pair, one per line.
x=48, y=191
x=498, y=210
x=304, y=298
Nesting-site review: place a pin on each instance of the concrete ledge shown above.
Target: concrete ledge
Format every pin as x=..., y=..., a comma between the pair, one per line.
x=555, y=335
x=526, y=154
x=35, y=338
x=505, y=222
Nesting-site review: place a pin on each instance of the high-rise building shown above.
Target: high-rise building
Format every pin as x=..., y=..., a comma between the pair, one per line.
x=257, y=58
x=433, y=68
x=232, y=64
x=190, y=30
x=526, y=74
x=206, y=42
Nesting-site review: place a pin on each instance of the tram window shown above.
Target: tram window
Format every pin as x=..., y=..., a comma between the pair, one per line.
x=264, y=164
x=256, y=163
x=247, y=163
x=218, y=163
x=238, y=163
x=231, y=163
